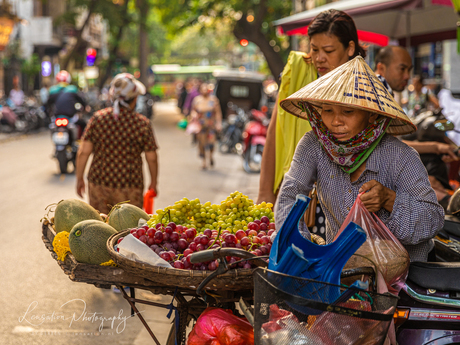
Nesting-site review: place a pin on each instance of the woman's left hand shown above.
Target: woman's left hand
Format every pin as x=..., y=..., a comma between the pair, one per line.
x=377, y=196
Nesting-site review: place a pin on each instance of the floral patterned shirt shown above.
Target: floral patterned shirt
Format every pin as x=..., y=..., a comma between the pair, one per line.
x=117, y=146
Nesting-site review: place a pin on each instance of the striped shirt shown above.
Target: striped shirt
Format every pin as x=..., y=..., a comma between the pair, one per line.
x=416, y=216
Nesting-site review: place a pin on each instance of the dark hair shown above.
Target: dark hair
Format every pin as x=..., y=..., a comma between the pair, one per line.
x=339, y=24
x=384, y=56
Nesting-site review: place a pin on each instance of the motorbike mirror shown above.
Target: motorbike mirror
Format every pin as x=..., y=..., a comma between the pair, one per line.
x=444, y=125
x=78, y=106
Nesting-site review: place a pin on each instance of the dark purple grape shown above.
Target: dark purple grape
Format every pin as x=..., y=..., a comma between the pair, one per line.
x=174, y=237
x=172, y=225
x=166, y=237
x=204, y=240
x=207, y=233
x=183, y=244
x=179, y=264
x=169, y=230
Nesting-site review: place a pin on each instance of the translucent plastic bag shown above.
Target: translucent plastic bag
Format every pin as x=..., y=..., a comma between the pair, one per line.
x=283, y=316
x=220, y=327
x=382, y=250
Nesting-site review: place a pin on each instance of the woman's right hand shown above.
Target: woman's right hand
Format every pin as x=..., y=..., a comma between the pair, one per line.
x=80, y=187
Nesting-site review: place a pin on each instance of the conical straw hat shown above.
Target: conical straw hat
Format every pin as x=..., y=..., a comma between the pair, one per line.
x=355, y=85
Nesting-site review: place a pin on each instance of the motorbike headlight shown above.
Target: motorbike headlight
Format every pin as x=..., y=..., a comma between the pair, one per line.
x=231, y=119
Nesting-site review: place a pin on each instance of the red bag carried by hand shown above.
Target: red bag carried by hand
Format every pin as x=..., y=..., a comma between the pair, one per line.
x=382, y=249
x=220, y=327
x=148, y=201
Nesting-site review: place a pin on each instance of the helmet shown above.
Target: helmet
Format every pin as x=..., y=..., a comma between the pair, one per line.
x=63, y=77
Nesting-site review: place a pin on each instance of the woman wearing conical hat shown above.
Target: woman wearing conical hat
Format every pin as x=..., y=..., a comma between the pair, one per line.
x=351, y=150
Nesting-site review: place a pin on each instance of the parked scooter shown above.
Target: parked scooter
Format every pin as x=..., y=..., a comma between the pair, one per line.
x=65, y=134
x=254, y=137
x=232, y=131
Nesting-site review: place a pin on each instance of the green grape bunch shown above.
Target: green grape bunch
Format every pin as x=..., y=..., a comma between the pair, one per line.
x=233, y=214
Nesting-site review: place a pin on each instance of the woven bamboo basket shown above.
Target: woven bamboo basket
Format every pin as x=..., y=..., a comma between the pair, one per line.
x=235, y=279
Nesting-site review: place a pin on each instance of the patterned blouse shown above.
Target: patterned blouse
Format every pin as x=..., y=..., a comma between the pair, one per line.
x=117, y=147
x=416, y=216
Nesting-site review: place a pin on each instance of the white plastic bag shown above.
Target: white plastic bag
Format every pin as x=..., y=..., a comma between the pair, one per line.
x=136, y=250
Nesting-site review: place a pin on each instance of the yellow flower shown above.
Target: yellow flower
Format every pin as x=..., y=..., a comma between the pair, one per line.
x=61, y=245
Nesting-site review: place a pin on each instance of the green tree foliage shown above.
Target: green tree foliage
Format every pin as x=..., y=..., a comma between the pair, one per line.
x=250, y=19
x=111, y=11
x=31, y=68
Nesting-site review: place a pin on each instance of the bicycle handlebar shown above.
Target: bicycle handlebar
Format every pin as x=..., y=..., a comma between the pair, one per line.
x=212, y=254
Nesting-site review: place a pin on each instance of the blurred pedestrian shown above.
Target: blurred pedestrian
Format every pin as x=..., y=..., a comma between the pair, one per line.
x=420, y=98
x=181, y=96
x=191, y=94
x=206, y=111
x=44, y=92
x=16, y=94
x=116, y=136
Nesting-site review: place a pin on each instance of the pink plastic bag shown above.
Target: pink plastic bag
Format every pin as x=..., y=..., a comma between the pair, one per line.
x=382, y=250
x=220, y=327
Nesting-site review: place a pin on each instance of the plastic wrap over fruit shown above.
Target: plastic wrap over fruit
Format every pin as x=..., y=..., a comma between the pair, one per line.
x=220, y=327
x=135, y=250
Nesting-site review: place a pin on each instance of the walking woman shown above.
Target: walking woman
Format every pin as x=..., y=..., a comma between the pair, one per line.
x=206, y=110
x=117, y=136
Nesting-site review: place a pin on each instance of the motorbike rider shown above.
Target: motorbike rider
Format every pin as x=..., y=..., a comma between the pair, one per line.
x=64, y=97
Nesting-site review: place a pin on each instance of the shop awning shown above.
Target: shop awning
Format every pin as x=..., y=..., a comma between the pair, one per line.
x=420, y=20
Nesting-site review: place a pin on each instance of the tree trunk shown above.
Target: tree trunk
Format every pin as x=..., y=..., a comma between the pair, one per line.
x=114, y=49
x=71, y=54
x=143, y=42
x=253, y=34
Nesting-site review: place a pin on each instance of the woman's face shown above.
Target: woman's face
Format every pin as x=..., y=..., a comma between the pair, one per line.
x=204, y=90
x=328, y=53
x=345, y=123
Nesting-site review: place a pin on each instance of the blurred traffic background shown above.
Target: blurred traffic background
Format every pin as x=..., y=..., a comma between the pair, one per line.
x=172, y=47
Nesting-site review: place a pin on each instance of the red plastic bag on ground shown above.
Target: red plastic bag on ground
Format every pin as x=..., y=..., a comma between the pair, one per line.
x=382, y=250
x=220, y=327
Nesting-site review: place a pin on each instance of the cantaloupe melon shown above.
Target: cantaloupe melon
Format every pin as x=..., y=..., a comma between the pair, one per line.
x=125, y=216
x=88, y=239
x=71, y=211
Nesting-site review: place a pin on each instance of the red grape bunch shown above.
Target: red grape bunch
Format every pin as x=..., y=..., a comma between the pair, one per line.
x=175, y=243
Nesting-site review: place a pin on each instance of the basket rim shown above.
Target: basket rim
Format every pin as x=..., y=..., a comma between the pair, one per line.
x=128, y=263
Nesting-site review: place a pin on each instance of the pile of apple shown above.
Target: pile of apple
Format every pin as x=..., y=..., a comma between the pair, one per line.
x=175, y=243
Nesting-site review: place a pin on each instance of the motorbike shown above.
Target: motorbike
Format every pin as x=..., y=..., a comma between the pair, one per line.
x=65, y=134
x=25, y=118
x=428, y=311
x=232, y=131
x=254, y=137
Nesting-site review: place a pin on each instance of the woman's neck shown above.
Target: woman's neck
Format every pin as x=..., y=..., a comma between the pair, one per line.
x=354, y=176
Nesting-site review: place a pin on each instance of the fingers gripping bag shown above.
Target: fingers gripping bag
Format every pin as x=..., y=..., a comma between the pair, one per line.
x=217, y=326
x=382, y=250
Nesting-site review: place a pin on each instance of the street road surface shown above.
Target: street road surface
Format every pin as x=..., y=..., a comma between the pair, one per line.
x=39, y=304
